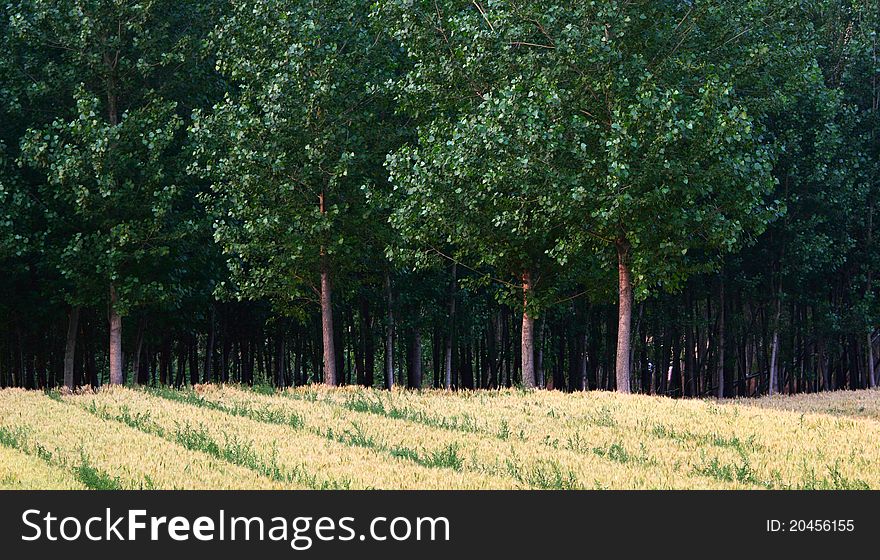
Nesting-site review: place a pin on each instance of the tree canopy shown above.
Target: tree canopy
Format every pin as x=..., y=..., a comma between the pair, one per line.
x=666, y=197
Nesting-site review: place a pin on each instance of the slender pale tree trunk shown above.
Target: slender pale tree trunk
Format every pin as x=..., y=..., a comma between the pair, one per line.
x=447, y=377
x=582, y=362
x=116, y=377
x=327, y=316
x=822, y=359
x=773, y=387
x=720, y=392
x=327, y=326
x=70, y=347
x=528, y=336
x=415, y=359
x=389, y=336
x=208, y=376
x=138, y=348
x=539, y=355
x=624, y=319
x=872, y=379
x=367, y=340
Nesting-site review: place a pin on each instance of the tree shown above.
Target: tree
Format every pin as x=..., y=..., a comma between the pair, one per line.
x=625, y=117
x=107, y=156
x=289, y=148
x=496, y=157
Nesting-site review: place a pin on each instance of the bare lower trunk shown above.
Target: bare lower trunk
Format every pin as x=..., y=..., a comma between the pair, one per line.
x=872, y=381
x=389, y=337
x=280, y=362
x=209, y=350
x=115, y=341
x=582, y=363
x=367, y=338
x=447, y=363
x=528, y=336
x=539, y=356
x=624, y=316
x=720, y=392
x=773, y=385
x=415, y=360
x=447, y=377
x=327, y=326
x=138, y=348
x=70, y=347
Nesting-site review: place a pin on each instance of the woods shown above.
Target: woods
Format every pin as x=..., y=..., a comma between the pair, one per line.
x=665, y=197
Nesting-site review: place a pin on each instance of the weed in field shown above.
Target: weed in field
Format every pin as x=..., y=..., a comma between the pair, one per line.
x=835, y=481
x=504, y=430
x=617, y=452
x=463, y=423
x=95, y=479
x=717, y=440
x=603, y=417
x=13, y=438
x=741, y=472
x=448, y=457
x=551, y=476
x=264, y=414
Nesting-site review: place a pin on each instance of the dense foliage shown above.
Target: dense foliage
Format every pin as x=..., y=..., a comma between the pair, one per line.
x=657, y=196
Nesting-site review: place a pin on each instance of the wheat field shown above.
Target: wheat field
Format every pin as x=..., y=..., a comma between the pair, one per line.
x=224, y=437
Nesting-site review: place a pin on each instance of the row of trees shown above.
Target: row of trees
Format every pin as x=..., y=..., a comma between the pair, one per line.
x=663, y=196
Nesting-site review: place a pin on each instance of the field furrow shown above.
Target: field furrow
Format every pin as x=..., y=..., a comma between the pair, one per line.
x=283, y=449
x=724, y=440
x=110, y=454
x=20, y=471
x=599, y=459
x=217, y=436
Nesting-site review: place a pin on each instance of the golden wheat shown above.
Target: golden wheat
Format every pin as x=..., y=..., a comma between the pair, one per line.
x=72, y=439
x=20, y=471
x=230, y=437
x=598, y=459
x=738, y=441
x=290, y=452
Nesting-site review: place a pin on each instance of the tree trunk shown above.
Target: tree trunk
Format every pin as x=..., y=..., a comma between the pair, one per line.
x=720, y=390
x=179, y=374
x=539, y=355
x=327, y=325
x=193, y=361
x=447, y=376
x=116, y=377
x=327, y=314
x=70, y=347
x=208, y=376
x=436, y=360
x=624, y=316
x=91, y=369
x=415, y=360
x=582, y=362
x=872, y=379
x=369, y=348
x=138, y=348
x=389, y=336
x=528, y=336
x=280, y=362
x=492, y=345
x=773, y=386
x=689, y=343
